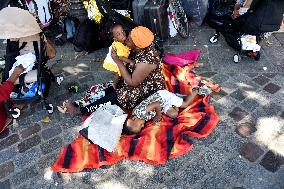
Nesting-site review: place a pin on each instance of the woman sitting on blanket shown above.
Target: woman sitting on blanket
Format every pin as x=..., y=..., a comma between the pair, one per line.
x=137, y=81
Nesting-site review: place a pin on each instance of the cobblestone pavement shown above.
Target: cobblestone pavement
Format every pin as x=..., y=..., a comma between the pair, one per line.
x=245, y=151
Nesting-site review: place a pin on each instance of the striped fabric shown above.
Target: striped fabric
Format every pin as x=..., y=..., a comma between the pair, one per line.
x=154, y=144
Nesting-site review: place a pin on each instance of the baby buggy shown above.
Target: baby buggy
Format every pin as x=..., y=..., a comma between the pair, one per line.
x=25, y=46
x=245, y=32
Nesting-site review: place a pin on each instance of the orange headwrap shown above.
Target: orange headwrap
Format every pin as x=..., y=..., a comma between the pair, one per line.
x=141, y=36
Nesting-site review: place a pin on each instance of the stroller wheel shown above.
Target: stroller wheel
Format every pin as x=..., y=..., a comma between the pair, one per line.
x=49, y=108
x=59, y=80
x=16, y=112
x=237, y=58
x=257, y=56
x=213, y=39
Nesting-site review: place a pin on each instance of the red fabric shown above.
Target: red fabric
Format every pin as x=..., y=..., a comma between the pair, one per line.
x=182, y=59
x=5, y=91
x=154, y=144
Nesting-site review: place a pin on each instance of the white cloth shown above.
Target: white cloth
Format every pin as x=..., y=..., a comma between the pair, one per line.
x=105, y=126
x=249, y=43
x=170, y=100
x=26, y=60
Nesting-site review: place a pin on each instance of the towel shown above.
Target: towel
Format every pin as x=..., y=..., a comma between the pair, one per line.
x=26, y=60
x=104, y=126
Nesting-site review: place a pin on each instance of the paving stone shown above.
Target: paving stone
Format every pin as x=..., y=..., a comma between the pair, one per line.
x=6, y=169
x=24, y=175
x=5, y=184
x=251, y=152
x=271, y=161
x=238, y=188
x=252, y=75
x=5, y=133
x=214, y=181
x=28, y=157
x=51, y=132
x=249, y=86
x=250, y=104
x=220, y=78
x=219, y=95
x=282, y=115
x=239, y=95
x=208, y=74
x=271, y=88
x=261, y=80
x=30, y=131
x=47, y=161
x=245, y=129
x=51, y=145
x=238, y=114
x=29, y=143
x=14, y=138
x=7, y=154
x=270, y=75
x=192, y=174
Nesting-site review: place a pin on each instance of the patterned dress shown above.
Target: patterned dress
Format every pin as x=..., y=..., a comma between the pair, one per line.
x=128, y=96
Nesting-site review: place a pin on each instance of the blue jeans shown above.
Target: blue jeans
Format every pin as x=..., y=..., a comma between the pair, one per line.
x=70, y=28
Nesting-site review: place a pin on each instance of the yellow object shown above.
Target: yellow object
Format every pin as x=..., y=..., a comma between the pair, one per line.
x=142, y=37
x=121, y=50
x=93, y=11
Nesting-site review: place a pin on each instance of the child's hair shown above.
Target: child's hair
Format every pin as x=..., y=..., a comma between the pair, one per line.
x=112, y=27
x=126, y=130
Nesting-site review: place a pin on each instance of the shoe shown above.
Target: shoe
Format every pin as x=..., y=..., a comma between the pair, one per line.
x=203, y=90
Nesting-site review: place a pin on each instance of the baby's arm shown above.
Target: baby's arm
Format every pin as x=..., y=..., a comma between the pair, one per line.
x=124, y=59
x=157, y=107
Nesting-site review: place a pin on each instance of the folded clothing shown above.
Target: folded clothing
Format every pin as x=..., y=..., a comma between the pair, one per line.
x=121, y=50
x=104, y=126
x=26, y=60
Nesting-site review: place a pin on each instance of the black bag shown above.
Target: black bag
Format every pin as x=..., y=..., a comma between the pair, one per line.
x=87, y=37
x=121, y=4
x=232, y=39
x=156, y=18
x=111, y=17
x=219, y=13
x=267, y=16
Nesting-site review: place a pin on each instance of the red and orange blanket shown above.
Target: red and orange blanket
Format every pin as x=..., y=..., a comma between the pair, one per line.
x=157, y=141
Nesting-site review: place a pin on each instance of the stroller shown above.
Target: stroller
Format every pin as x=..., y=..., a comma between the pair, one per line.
x=35, y=84
x=245, y=32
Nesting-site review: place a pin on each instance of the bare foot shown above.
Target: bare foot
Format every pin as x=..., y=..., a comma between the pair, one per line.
x=71, y=108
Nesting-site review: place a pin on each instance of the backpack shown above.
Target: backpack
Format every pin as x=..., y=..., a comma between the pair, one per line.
x=267, y=16
x=42, y=9
x=87, y=37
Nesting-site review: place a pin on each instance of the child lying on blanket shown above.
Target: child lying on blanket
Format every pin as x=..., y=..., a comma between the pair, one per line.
x=160, y=102
x=119, y=37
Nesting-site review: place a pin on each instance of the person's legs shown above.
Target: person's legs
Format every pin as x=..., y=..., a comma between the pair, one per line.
x=110, y=96
x=74, y=109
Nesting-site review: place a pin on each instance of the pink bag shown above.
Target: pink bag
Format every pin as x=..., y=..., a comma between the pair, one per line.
x=182, y=59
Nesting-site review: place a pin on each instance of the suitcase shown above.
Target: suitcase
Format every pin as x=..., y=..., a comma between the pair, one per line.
x=156, y=18
x=138, y=11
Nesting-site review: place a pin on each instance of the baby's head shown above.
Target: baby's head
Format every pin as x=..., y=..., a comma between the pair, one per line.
x=118, y=33
x=134, y=125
